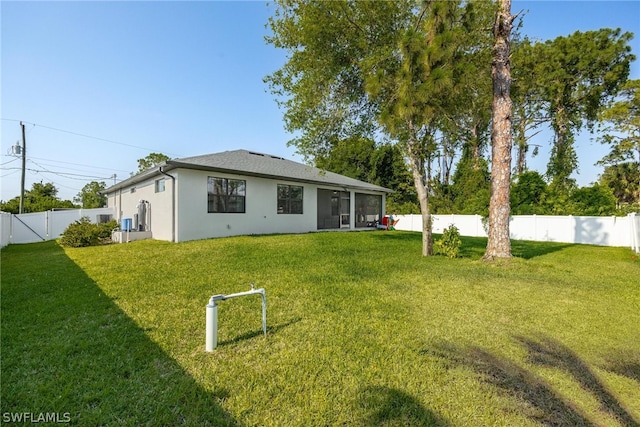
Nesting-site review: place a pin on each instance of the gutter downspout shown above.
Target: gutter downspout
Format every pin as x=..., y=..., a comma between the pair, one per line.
x=173, y=203
x=119, y=205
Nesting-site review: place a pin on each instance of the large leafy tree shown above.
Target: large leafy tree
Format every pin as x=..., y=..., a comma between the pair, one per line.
x=91, y=197
x=366, y=68
x=575, y=77
x=41, y=197
x=350, y=157
x=596, y=200
x=529, y=111
x=153, y=159
x=622, y=129
x=624, y=180
x=380, y=164
x=389, y=169
x=622, y=134
x=528, y=194
x=471, y=188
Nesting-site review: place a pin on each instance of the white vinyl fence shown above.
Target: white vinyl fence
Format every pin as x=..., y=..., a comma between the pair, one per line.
x=594, y=230
x=41, y=226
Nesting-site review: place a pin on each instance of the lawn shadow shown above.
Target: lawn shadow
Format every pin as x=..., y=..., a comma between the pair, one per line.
x=391, y=407
x=68, y=348
x=629, y=370
x=535, y=398
x=397, y=235
x=259, y=332
x=528, y=249
x=549, y=352
x=541, y=403
x=475, y=247
x=625, y=363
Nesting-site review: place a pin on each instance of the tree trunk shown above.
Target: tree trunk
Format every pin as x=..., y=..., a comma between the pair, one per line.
x=499, y=243
x=522, y=159
x=416, y=160
x=521, y=141
x=423, y=198
x=475, y=137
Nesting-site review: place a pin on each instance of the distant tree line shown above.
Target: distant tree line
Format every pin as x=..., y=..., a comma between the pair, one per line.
x=41, y=197
x=44, y=197
x=469, y=188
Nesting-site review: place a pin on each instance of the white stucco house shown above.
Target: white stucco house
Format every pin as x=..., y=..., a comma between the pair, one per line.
x=241, y=192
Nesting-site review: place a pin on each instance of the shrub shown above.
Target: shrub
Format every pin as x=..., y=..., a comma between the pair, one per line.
x=450, y=242
x=85, y=233
x=105, y=229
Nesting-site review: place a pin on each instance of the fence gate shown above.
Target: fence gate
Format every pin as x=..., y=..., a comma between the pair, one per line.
x=48, y=225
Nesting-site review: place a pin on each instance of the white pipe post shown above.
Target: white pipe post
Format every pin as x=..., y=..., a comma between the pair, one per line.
x=211, y=332
x=264, y=311
x=212, y=326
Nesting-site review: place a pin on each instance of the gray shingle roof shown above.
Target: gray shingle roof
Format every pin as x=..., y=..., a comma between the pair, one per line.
x=250, y=163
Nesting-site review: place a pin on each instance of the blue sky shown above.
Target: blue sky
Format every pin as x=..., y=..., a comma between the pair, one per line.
x=102, y=84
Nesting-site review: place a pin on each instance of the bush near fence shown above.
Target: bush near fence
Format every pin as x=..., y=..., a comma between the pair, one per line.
x=595, y=230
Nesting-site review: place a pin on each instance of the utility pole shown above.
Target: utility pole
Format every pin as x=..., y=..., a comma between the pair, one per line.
x=24, y=158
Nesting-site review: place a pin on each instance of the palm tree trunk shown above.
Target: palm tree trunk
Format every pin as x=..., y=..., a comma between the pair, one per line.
x=499, y=243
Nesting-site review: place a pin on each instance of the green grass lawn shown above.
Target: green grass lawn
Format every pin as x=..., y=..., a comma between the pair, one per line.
x=362, y=331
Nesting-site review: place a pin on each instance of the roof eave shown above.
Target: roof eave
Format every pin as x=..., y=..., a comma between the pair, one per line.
x=173, y=164
x=142, y=176
x=177, y=164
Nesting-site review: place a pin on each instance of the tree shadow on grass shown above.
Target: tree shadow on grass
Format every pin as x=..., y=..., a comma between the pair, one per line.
x=68, y=348
x=549, y=352
x=396, y=235
x=535, y=398
x=392, y=407
x=475, y=247
x=629, y=370
x=528, y=249
x=625, y=363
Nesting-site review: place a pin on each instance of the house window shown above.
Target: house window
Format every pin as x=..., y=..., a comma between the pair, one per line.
x=289, y=199
x=159, y=185
x=225, y=195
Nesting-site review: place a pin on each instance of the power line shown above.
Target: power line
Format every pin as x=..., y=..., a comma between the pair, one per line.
x=62, y=174
x=59, y=173
x=57, y=184
x=80, y=164
x=10, y=161
x=66, y=163
x=88, y=136
x=58, y=167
